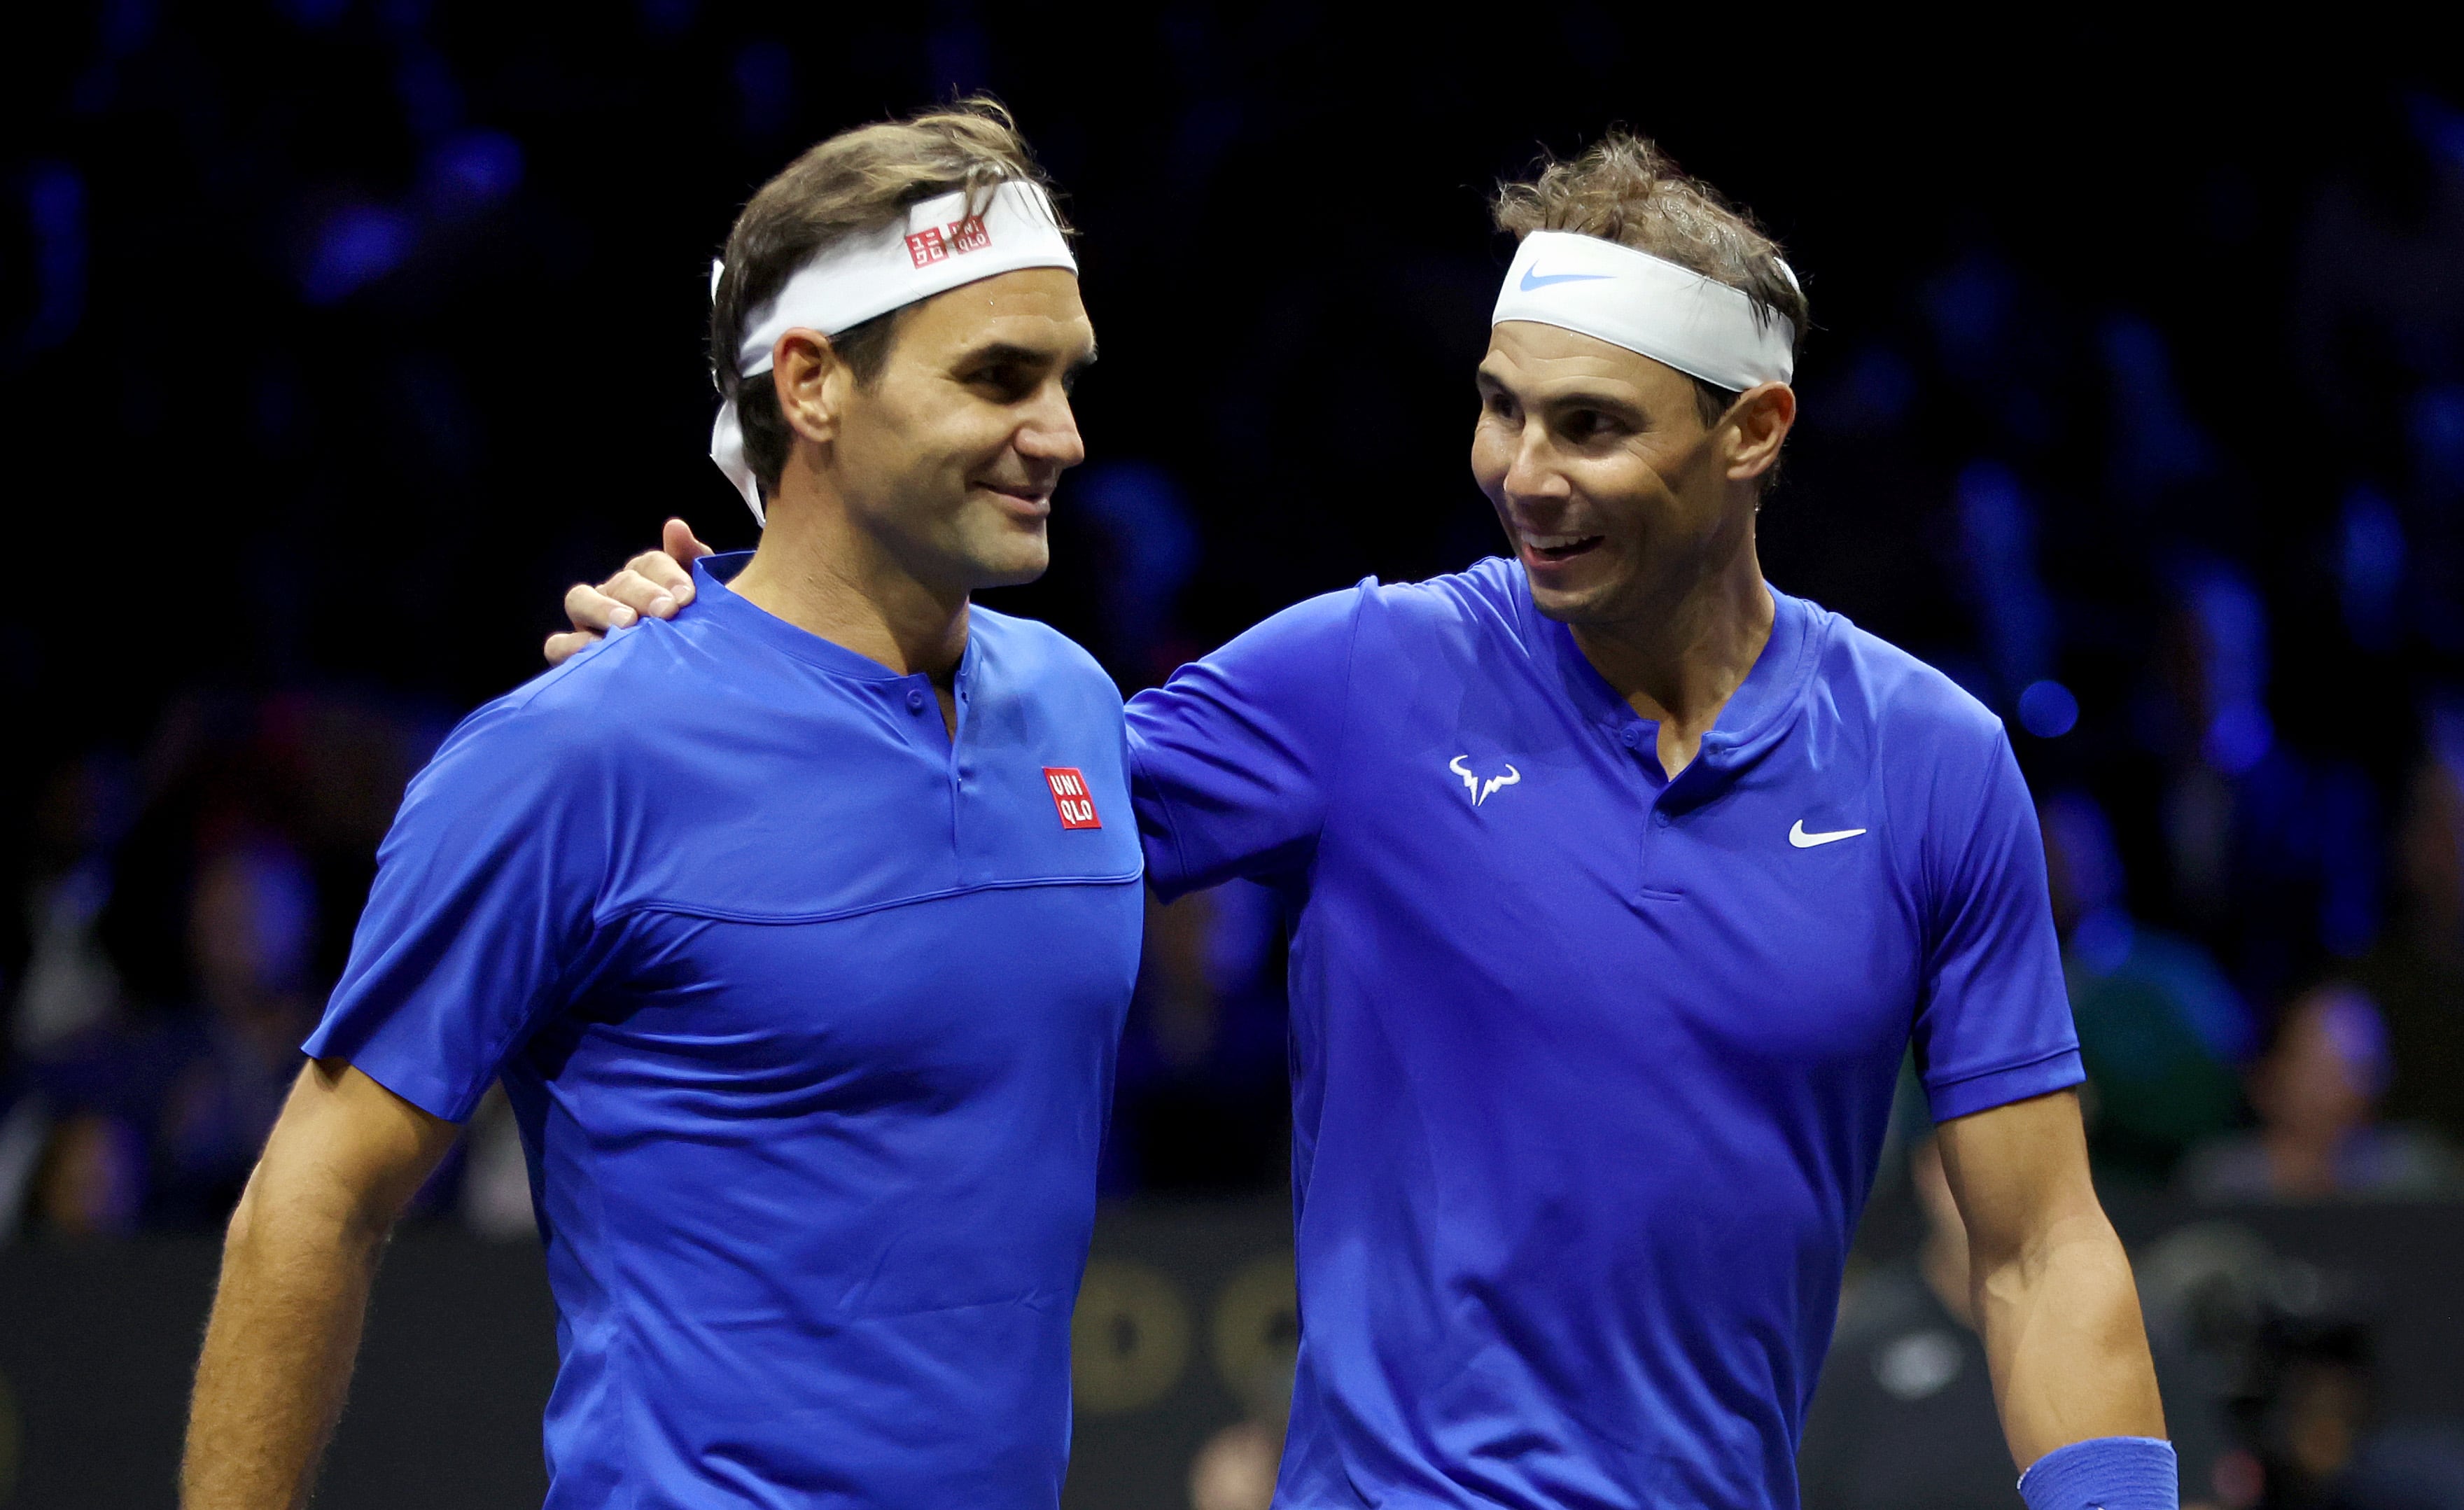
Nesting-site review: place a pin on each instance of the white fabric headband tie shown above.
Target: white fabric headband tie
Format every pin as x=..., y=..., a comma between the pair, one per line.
x=937, y=248
x=1700, y=326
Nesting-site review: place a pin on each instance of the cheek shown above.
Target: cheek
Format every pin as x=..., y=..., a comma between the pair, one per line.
x=1492, y=456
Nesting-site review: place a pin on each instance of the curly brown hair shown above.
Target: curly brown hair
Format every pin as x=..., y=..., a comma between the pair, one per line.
x=854, y=182
x=1624, y=188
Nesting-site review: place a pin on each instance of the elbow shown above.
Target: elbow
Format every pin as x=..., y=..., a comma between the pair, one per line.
x=288, y=1208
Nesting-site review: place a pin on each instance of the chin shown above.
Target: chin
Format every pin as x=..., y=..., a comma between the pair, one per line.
x=1014, y=567
x=1573, y=603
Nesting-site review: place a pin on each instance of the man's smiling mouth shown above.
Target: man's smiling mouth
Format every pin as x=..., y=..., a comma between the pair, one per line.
x=1558, y=547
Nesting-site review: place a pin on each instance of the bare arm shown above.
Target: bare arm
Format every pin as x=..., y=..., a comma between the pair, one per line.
x=654, y=584
x=345, y=1156
x=2050, y=1285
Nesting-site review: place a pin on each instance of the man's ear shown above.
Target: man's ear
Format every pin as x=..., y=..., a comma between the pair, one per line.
x=812, y=381
x=1762, y=417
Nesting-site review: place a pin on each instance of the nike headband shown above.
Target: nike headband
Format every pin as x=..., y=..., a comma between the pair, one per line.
x=938, y=247
x=1649, y=305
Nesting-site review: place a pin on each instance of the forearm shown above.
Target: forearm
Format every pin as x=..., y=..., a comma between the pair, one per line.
x=278, y=1348
x=2064, y=1340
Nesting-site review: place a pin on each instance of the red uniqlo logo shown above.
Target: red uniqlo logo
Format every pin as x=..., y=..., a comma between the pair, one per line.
x=1071, y=796
x=932, y=242
x=968, y=235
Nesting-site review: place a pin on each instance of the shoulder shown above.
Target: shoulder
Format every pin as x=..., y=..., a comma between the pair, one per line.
x=1433, y=621
x=574, y=721
x=1487, y=595
x=1905, y=697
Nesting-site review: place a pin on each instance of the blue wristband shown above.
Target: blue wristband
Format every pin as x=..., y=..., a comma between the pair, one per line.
x=2105, y=1473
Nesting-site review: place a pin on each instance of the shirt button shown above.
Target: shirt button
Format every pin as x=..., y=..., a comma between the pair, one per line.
x=1660, y=819
x=1632, y=737
x=914, y=701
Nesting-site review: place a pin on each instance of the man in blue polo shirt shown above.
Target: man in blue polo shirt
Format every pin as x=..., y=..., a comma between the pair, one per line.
x=1620, y=885
x=805, y=981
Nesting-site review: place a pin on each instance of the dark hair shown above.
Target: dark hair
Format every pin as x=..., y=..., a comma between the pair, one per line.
x=1625, y=189
x=856, y=182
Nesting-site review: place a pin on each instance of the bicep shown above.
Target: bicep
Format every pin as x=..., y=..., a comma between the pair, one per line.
x=347, y=1148
x=2018, y=1171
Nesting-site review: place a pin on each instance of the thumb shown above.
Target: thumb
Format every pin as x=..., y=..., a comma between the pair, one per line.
x=676, y=538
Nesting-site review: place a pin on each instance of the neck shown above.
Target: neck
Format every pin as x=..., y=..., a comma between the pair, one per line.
x=1682, y=653
x=820, y=571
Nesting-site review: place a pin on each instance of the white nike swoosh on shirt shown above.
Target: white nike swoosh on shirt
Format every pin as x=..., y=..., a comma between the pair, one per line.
x=1797, y=835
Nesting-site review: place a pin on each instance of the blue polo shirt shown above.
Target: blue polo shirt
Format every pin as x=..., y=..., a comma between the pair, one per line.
x=1590, y=1067
x=807, y=1012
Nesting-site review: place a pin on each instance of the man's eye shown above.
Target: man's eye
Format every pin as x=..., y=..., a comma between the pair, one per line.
x=1010, y=382
x=1589, y=424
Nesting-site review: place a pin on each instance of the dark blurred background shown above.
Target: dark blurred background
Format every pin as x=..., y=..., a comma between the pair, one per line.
x=337, y=337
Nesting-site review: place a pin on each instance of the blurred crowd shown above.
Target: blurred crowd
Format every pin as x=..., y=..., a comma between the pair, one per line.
x=2201, y=545
x=2145, y=422
x=2164, y=464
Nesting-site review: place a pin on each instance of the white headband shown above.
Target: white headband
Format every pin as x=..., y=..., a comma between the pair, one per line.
x=1700, y=326
x=937, y=248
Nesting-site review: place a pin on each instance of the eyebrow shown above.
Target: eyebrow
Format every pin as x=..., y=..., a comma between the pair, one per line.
x=1587, y=399
x=1573, y=399
x=1022, y=355
x=1005, y=351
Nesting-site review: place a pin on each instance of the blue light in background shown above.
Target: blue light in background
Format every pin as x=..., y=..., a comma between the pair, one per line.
x=355, y=247
x=316, y=14
x=667, y=17
x=2437, y=426
x=765, y=85
x=472, y=170
x=2047, y=709
x=431, y=96
x=56, y=208
x=1998, y=530
x=2239, y=737
x=2369, y=569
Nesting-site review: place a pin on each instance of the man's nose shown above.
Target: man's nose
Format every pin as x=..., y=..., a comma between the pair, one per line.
x=1049, y=433
x=1534, y=474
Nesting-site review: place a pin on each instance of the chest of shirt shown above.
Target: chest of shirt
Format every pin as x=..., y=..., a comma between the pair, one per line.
x=816, y=891
x=1758, y=910
x=860, y=801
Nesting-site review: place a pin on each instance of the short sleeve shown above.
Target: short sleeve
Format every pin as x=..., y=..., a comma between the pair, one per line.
x=481, y=910
x=1229, y=761
x=1994, y=1024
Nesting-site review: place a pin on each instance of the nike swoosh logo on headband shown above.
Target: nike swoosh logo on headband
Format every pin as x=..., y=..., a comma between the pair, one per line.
x=1535, y=279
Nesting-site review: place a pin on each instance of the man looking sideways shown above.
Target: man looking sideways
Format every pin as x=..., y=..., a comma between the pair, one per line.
x=771, y=970
x=1620, y=884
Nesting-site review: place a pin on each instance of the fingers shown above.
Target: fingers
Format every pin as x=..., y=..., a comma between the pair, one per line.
x=594, y=612
x=646, y=590
x=657, y=573
x=561, y=648
x=677, y=538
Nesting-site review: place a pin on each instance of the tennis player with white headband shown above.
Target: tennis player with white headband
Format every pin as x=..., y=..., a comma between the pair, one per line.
x=799, y=930
x=1620, y=885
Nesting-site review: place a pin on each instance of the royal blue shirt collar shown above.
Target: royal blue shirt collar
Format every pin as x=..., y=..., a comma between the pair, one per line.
x=1756, y=713
x=712, y=595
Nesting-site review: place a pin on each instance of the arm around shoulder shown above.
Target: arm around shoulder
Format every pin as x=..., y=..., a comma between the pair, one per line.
x=1231, y=761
